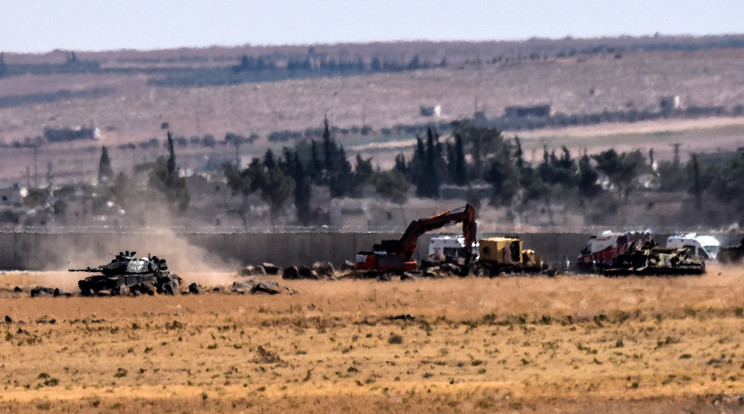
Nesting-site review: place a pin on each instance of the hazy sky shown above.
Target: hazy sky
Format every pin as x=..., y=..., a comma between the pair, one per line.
x=84, y=25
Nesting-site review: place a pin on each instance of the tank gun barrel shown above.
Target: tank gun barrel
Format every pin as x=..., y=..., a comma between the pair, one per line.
x=87, y=269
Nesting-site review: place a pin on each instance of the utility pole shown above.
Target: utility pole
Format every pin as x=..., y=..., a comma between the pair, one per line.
x=36, y=169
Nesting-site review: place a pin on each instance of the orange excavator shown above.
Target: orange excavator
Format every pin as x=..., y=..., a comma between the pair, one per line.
x=397, y=255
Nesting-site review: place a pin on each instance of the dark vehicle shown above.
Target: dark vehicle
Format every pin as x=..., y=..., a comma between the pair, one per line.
x=731, y=254
x=127, y=274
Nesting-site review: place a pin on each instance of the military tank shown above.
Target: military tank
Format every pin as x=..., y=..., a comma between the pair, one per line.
x=127, y=274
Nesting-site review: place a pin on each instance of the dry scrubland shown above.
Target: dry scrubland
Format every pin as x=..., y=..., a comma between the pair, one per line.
x=564, y=344
x=135, y=110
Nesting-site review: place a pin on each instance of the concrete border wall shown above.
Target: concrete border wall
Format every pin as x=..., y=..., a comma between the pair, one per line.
x=43, y=251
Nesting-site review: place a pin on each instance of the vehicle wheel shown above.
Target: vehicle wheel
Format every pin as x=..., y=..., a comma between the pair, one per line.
x=122, y=290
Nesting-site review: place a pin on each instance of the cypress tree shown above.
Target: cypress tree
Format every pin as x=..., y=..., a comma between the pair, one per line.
x=416, y=168
x=339, y=182
x=400, y=164
x=303, y=192
x=461, y=175
x=316, y=166
x=172, y=155
x=269, y=160
x=431, y=177
x=105, y=172
x=328, y=150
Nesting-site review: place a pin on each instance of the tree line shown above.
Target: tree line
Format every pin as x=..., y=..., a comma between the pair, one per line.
x=471, y=156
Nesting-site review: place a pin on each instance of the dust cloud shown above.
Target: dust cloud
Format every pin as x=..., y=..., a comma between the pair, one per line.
x=69, y=249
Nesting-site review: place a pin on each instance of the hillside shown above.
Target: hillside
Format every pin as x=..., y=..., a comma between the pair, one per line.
x=124, y=93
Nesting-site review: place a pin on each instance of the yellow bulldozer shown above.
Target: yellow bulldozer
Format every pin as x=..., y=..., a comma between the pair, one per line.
x=506, y=255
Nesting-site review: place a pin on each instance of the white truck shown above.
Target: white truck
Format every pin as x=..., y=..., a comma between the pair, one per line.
x=451, y=246
x=701, y=246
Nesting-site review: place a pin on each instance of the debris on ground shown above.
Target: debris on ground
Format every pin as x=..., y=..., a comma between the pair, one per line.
x=403, y=317
x=304, y=272
x=195, y=289
x=729, y=399
x=253, y=287
x=324, y=269
x=250, y=270
x=39, y=291
x=271, y=269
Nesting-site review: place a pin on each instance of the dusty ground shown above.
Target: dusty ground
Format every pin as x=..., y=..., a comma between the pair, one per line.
x=516, y=344
x=134, y=111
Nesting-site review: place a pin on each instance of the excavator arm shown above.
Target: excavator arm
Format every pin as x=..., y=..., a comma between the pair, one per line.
x=465, y=215
x=392, y=255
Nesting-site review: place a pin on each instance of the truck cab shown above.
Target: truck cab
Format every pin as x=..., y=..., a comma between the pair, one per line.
x=451, y=246
x=701, y=246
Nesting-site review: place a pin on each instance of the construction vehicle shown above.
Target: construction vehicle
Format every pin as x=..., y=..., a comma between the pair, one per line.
x=602, y=248
x=731, y=254
x=505, y=255
x=127, y=274
x=636, y=253
x=703, y=247
x=397, y=255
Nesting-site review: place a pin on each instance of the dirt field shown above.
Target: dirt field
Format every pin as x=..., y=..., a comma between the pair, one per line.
x=568, y=344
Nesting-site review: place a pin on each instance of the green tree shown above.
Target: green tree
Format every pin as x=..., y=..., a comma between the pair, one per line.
x=672, y=176
x=417, y=168
x=123, y=191
x=339, y=183
x=503, y=175
x=269, y=160
x=480, y=142
x=105, y=172
x=337, y=169
x=276, y=187
x=302, y=192
x=430, y=174
x=456, y=164
x=240, y=182
x=392, y=185
x=557, y=171
x=165, y=179
x=237, y=141
x=621, y=169
x=362, y=173
x=587, y=181
x=315, y=170
x=726, y=183
x=167, y=182
x=171, y=164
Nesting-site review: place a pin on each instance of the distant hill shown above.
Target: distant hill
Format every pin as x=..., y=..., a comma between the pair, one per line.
x=377, y=92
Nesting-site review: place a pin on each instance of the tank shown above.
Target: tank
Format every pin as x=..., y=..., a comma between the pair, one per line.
x=127, y=274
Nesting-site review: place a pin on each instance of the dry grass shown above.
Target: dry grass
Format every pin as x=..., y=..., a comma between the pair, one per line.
x=136, y=110
x=573, y=344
